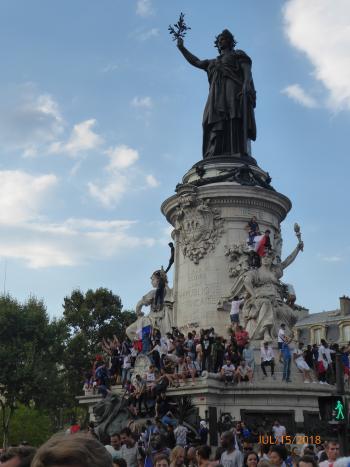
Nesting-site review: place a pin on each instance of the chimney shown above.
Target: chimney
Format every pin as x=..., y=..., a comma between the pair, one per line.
x=344, y=305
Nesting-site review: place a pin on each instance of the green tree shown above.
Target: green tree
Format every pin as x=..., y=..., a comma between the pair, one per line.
x=90, y=317
x=31, y=353
x=30, y=424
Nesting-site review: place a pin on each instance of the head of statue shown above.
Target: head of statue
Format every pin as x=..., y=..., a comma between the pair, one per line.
x=156, y=276
x=225, y=41
x=267, y=260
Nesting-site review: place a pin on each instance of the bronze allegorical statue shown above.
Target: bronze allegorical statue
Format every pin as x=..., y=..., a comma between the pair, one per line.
x=228, y=120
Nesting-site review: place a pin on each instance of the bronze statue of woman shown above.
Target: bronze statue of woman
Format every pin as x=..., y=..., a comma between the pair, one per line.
x=228, y=120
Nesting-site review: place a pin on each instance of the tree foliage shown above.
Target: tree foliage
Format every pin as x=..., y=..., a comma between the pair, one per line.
x=90, y=317
x=31, y=352
x=42, y=362
x=31, y=425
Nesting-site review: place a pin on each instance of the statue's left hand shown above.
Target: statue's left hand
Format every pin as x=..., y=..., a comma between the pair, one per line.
x=180, y=43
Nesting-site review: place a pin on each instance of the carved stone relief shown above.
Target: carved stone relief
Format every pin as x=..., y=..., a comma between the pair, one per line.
x=199, y=226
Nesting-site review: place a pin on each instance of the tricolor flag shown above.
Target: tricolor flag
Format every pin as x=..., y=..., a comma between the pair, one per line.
x=144, y=331
x=260, y=244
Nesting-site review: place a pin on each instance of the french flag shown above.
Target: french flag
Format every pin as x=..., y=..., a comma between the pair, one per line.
x=144, y=331
x=260, y=244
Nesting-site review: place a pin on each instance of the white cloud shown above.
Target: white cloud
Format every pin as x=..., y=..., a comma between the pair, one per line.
x=152, y=181
x=298, y=94
x=110, y=193
x=110, y=67
x=123, y=176
x=29, y=152
x=82, y=139
x=144, y=8
x=22, y=195
x=121, y=157
x=142, y=102
x=120, y=178
x=72, y=242
x=28, y=119
x=320, y=29
x=148, y=34
x=35, y=254
x=331, y=259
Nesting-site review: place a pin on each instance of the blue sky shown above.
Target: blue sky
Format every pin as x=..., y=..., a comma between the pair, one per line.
x=100, y=117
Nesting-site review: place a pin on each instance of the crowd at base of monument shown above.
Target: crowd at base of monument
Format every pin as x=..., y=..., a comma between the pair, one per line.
x=173, y=360
x=78, y=447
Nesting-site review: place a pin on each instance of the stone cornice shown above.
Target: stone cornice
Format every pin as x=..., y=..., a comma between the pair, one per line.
x=225, y=194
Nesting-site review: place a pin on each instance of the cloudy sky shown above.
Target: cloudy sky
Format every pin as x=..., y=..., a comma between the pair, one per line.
x=100, y=117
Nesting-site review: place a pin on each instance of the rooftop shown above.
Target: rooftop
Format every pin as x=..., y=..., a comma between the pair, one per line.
x=322, y=317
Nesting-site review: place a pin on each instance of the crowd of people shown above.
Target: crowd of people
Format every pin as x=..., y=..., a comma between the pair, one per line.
x=127, y=449
x=177, y=359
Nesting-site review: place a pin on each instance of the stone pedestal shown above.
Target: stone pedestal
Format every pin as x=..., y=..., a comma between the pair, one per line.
x=294, y=404
x=207, y=219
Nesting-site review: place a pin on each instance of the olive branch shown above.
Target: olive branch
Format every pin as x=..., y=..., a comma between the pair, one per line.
x=179, y=29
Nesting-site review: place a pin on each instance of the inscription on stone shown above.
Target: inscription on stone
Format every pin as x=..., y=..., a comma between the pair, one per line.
x=251, y=212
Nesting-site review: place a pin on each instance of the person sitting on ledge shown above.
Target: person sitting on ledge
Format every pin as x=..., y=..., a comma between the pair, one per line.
x=267, y=359
x=244, y=372
x=186, y=369
x=228, y=372
x=298, y=357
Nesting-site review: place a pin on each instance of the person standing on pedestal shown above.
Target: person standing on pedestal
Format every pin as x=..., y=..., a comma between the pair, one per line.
x=234, y=313
x=267, y=358
x=248, y=356
x=228, y=120
x=287, y=358
x=281, y=338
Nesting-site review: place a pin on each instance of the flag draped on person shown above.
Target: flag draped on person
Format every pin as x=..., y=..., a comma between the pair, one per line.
x=261, y=242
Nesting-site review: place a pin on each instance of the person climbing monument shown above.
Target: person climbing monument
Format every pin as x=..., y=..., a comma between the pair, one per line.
x=253, y=230
x=172, y=254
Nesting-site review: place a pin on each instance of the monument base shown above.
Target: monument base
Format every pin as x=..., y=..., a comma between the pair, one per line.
x=209, y=221
x=258, y=404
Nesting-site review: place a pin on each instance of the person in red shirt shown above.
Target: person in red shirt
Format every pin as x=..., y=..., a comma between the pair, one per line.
x=74, y=427
x=242, y=337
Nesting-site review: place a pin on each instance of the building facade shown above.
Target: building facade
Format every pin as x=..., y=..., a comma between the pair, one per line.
x=333, y=326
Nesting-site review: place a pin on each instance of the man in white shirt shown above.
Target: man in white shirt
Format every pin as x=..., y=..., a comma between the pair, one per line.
x=280, y=339
x=115, y=446
x=244, y=372
x=279, y=432
x=332, y=451
x=180, y=433
x=169, y=342
x=298, y=357
x=227, y=372
x=234, y=313
x=126, y=368
x=231, y=457
x=267, y=358
x=129, y=450
x=324, y=356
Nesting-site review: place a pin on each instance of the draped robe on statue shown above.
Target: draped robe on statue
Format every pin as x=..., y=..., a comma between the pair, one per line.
x=223, y=113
